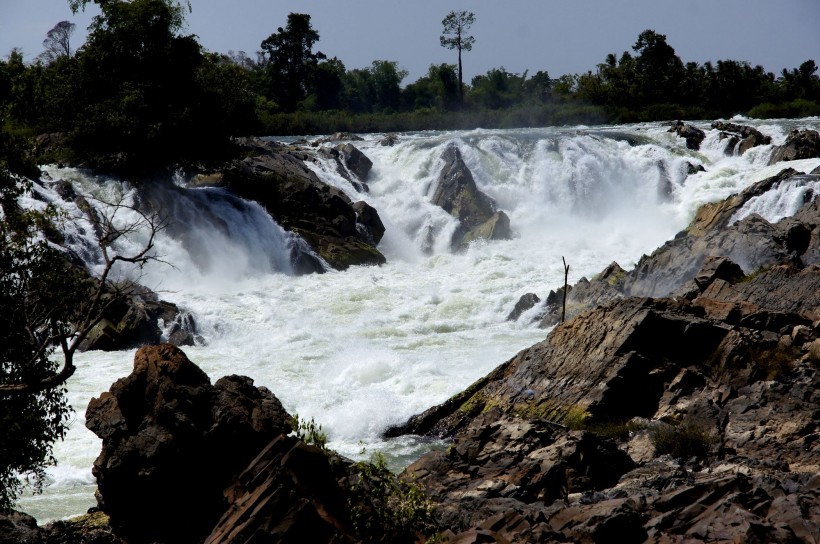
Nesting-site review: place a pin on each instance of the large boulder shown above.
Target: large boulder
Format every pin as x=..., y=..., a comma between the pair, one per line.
x=800, y=144
x=172, y=442
x=457, y=193
x=351, y=164
x=321, y=215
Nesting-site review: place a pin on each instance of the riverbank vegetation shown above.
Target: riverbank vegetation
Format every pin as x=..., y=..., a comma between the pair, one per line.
x=139, y=93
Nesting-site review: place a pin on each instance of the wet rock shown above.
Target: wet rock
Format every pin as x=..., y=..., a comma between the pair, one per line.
x=172, y=442
x=693, y=135
x=740, y=137
x=456, y=192
x=800, y=144
x=526, y=302
x=323, y=216
x=389, y=140
x=351, y=164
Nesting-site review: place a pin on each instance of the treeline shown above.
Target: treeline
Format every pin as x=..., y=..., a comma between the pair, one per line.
x=139, y=93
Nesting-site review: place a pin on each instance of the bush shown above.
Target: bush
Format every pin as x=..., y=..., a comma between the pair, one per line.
x=687, y=439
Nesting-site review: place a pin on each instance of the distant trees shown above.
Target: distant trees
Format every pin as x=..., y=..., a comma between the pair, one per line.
x=455, y=25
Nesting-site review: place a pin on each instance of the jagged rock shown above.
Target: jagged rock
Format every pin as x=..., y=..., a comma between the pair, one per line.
x=172, y=442
x=693, y=135
x=800, y=144
x=368, y=218
x=295, y=197
x=526, y=302
x=133, y=321
x=718, y=268
x=752, y=243
x=457, y=193
x=748, y=137
x=289, y=493
x=351, y=164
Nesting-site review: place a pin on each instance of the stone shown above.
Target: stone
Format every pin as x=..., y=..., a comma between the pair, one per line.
x=526, y=302
x=457, y=193
x=693, y=135
x=172, y=442
x=800, y=144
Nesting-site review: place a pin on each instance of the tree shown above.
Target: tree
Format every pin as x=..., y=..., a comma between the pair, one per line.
x=290, y=61
x=47, y=307
x=453, y=37
x=659, y=70
x=58, y=42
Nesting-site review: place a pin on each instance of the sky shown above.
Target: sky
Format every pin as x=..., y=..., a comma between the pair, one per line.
x=559, y=36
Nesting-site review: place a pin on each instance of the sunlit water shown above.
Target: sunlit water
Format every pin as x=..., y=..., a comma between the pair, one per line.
x=365, y=348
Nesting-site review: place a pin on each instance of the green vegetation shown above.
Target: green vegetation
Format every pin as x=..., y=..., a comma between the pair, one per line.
x=385, y=508
x=309, y=432
x=140, y=95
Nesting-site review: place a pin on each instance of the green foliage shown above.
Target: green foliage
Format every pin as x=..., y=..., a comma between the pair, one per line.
x=688, y=438
x=39, y=295
x=309, y=432
x=290, y=63
x=385, y=508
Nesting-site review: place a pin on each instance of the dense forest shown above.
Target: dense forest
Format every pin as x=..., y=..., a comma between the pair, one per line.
x=141, y=93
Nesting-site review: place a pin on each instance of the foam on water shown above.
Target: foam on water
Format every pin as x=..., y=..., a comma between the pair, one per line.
x=365, y=348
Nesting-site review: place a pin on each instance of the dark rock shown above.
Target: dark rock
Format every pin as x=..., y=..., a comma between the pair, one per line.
x=338, y=137
x=350, y=163
x=693, y=135
x=389, y=140
x=457, y=193
x=694, y=168
x=526, y=302
x=748, y=137
x=289, y=493
x=133, y=320
x=718, y=268
x=800, y=144
x=172, y=442
x=368, y=218
x=321, y=215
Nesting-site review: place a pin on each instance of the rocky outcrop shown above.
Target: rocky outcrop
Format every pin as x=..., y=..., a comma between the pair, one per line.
x=350, y=163
x=133, y=320
x=692, y=134
x=644, y=419
x=740, y=138
x=295, y=197
x=289, y=493
x=800, y=144
x=172, y=442
x=752, y=243
x=457, y=193
x=92, y=528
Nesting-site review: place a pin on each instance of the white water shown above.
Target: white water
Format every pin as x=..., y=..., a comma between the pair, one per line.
x=361, y=349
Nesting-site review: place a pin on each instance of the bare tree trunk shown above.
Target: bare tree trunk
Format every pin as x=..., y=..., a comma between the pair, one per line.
x=566, y=288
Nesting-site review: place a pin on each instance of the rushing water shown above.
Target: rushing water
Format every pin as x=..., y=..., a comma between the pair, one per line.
x=362, y=349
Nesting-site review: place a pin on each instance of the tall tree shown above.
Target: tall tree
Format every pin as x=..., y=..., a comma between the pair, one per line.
x=658, y=69
x=290, y=61
x=58, y=42
x=454, y=36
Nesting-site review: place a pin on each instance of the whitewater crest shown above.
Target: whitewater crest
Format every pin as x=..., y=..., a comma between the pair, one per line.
x=389, y=341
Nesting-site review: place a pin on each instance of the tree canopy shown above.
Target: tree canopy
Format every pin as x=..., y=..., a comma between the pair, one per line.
x=455, y=25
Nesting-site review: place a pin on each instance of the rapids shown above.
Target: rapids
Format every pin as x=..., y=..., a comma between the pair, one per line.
x=365, y=348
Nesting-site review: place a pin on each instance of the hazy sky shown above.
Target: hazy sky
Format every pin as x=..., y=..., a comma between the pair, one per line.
x=559, y=36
